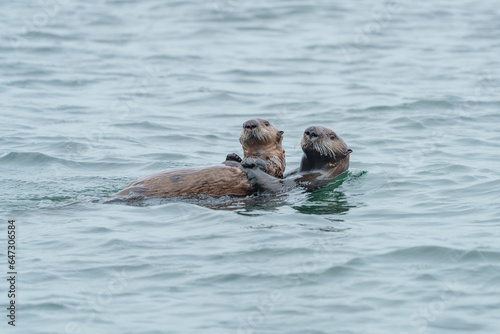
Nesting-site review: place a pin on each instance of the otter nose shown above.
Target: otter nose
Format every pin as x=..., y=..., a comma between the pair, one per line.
x=311, y=132
x=251, y=124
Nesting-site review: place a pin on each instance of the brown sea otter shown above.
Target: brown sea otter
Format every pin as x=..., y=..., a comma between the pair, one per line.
x=326, y=156
x=261, y=143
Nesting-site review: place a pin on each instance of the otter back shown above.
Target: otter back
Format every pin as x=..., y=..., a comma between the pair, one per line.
x=215, y=181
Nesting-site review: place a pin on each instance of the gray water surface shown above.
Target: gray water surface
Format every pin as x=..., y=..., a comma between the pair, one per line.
x=97, y=94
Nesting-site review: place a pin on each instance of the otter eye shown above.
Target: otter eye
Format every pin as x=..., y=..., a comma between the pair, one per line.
x=266, y=124
x=332, y=136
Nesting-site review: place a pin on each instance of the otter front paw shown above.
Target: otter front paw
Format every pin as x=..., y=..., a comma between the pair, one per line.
x=252, y=176
x=233, y=157
x=254, y=163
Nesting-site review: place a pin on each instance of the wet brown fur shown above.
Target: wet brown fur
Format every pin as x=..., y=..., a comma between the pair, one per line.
x=326, y=156
x=263, y=142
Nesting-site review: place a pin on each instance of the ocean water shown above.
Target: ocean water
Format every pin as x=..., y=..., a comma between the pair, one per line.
x=97, y=94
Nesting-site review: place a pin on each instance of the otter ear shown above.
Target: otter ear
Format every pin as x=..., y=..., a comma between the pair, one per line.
x=279, y=137
x=349, y=151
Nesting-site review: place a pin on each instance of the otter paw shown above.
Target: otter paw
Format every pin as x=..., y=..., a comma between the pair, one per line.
x=252, y=176
x=254, y=163
x=248, y=163
x=233, y=157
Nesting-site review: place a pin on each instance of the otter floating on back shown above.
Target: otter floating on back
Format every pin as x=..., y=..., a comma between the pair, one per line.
x=260, y=141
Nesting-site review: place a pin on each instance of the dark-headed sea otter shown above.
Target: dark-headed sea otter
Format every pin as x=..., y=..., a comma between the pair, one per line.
x=326, y=156
x=261, y=143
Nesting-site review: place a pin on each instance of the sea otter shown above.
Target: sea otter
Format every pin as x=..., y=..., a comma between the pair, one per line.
x=261, y=143
x=326, y=156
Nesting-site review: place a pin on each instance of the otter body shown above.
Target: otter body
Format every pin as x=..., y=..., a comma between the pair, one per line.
x=214, y=181
x=260, y=141
x=326, y=156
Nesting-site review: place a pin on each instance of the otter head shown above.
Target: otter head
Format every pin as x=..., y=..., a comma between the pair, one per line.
x=259, y=136
x=322, y=147
x=261, y=140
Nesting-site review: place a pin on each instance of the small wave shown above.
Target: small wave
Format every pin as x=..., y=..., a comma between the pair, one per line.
x=213, y=98
x=51, y=83
x=29, y=158
x=44, y=306
x=143, y=126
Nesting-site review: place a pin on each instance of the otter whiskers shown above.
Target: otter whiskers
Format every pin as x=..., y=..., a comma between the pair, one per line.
x=319, y=146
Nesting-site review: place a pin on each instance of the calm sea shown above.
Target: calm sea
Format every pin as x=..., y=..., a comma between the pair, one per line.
x=95, y=94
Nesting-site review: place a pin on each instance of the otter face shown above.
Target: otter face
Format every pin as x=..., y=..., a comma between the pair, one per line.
x=323, y=142
x=260, y=133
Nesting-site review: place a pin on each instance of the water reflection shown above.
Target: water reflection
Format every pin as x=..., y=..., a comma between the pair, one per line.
x=324, y=201
x=327, y=200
